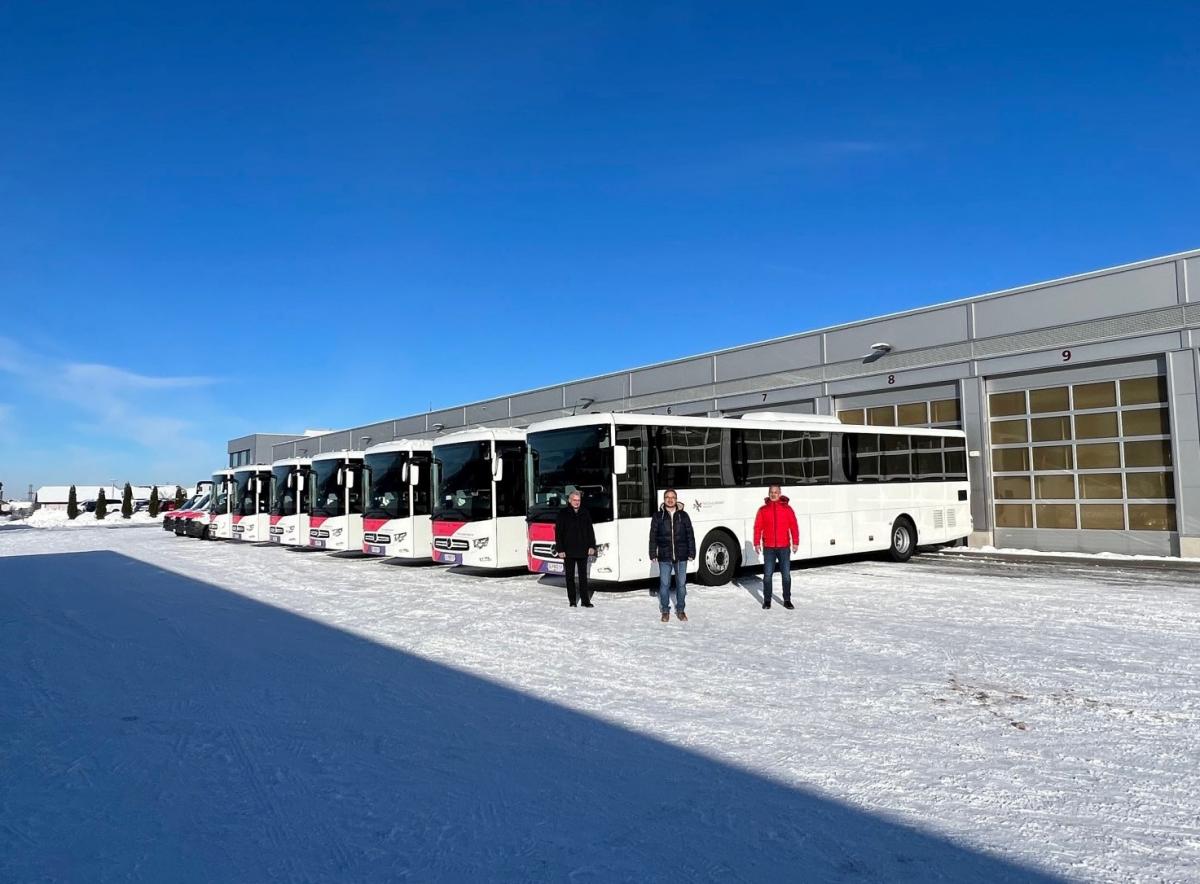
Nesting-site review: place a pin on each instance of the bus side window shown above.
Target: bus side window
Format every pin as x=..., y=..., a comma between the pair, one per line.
x=511, y=491
x=421, y=491
x=737, y=457
x=848, y=461
x=633, y=491
x=956, y=459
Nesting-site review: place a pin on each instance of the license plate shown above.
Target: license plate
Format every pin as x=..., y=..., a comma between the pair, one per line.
x=377, y=550
x=319, y=543
x=554, y=569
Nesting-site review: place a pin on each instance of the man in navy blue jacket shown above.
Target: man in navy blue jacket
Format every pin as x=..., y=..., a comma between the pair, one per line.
x=672, y=545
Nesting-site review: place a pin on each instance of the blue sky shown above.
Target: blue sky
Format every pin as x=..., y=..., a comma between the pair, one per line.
x=220, y=218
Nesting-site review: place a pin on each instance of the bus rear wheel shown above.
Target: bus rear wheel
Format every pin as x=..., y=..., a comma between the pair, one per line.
x=719, y=558
x=904, y=540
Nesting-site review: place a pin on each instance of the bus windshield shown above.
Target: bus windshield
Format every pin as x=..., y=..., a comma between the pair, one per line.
x=328, y=497
x=244, y=503
x=285, y=499
x=566, y=460
x=387, y=485
x=219, y=501
x=464, y=482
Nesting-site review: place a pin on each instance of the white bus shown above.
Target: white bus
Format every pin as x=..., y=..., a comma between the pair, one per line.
x=194, y=522
x=251, y=502
x=399, y=481
x=854, y=489
x=220, y=508
x=196, y=501
x=335, y=501
x=479, y=498
x=289, y=501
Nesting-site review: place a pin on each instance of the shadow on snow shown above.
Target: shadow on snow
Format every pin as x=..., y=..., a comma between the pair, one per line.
x=159, y=728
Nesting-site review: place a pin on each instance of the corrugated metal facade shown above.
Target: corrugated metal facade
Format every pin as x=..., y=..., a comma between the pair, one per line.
x=951, y=358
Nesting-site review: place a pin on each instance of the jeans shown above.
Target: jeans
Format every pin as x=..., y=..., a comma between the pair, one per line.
x=664, y=585
x=573, y=566
x=777, y=557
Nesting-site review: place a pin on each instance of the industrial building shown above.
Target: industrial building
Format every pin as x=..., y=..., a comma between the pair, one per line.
x=1078, y=397
x=257, y=447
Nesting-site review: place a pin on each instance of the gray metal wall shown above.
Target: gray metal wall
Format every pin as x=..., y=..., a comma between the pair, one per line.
x=1151, y=308
x=260, y=445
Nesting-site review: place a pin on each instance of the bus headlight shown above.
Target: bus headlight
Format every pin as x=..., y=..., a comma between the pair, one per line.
x=399, y=538
x=481, y=542
x=601, y=549
x=337, y=532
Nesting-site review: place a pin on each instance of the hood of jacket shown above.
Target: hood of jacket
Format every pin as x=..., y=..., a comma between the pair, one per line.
x=663, y=506
x=782, y=499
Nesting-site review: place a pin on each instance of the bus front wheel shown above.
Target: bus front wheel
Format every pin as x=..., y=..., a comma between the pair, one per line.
x=904, y=540
x=718, y=559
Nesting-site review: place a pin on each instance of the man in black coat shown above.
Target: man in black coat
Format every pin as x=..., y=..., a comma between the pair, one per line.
x=575, y=542
x=672, y=546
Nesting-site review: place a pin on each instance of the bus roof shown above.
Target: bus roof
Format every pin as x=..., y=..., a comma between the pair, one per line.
x=253, y=468
x=478, y=434
x=292, y=462
x=346, y=454
x=400, y=445
x=772, y=421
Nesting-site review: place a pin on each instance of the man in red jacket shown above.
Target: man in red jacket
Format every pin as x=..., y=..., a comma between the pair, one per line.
x=776, y=539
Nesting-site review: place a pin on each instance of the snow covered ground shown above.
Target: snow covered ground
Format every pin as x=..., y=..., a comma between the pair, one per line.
x=172, y=710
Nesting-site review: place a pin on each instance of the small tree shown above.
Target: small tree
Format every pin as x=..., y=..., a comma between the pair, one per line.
x=127, y=502
x=101, y=505
x=180, y=500
x=154, y=502
x=72, y=504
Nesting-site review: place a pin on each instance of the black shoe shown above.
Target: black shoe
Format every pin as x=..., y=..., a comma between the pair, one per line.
x=766, y=605
x=573, y=605
x=588, y=605
x=787, y=604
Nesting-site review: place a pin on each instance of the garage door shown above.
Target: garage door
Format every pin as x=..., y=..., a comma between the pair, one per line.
x=1083, y=463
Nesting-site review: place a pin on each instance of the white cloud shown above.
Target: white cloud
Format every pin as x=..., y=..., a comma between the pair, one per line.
x=106, y=377
x=149, y=411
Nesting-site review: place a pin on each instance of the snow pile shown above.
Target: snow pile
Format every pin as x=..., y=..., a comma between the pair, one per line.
x=1009, y=551
x=47, y=518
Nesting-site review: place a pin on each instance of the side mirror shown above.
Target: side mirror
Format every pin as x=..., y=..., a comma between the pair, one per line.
x=404, y=472
x=299, y=477
x=348, y=478
x=620, y=459
x=498, y=469
x=414, y=475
